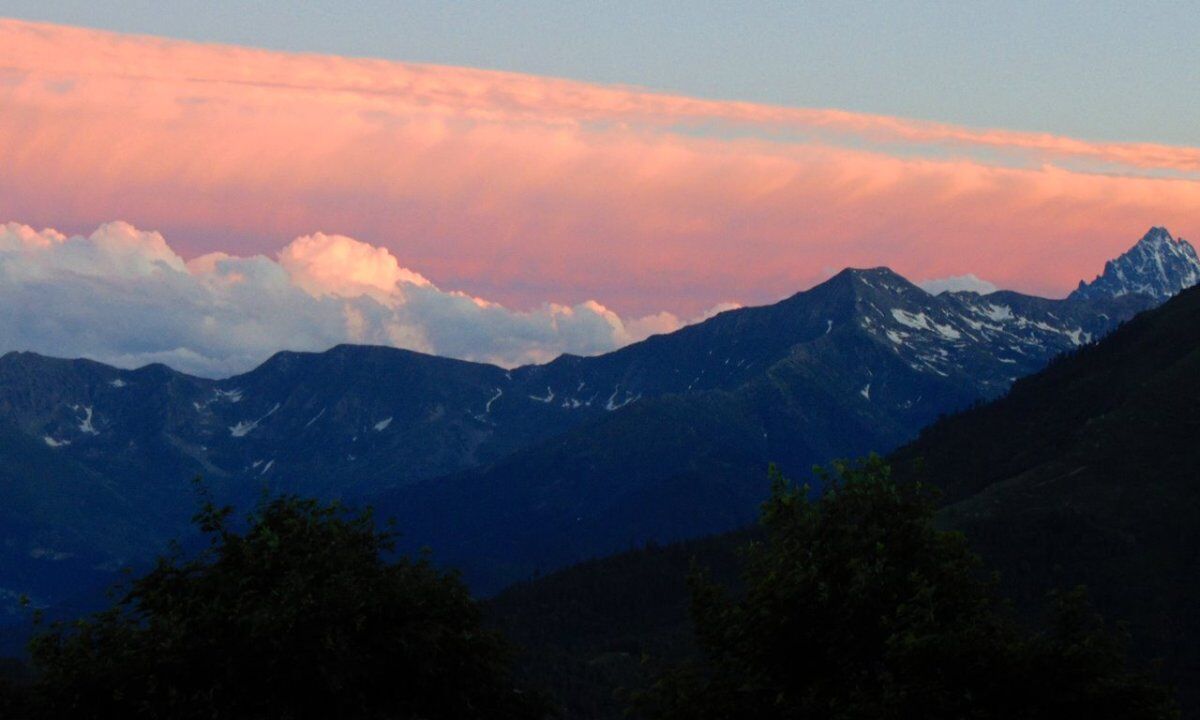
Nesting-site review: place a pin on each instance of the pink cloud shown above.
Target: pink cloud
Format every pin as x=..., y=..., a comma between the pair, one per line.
x=338, y=265
x=526, y=189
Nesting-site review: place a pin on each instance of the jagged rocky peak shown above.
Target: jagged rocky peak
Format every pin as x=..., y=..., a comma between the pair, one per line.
x=1158, y=266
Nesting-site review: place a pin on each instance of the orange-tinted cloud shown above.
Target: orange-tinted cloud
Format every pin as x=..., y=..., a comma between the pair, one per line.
x=527, y=189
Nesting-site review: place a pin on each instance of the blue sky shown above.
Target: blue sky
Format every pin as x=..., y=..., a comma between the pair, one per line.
x=1096, y=70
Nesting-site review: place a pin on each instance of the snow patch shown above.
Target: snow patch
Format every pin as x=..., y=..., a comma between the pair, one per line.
x=549, y=397
x=1078, y=336
x=118, y=383
x=947, y=331
x=244, y=427
x=85, y=425
x=918, y=321
x=612, y=403
x=383, y=424
x=866, y=391
x=999, y=313
x=55, y=443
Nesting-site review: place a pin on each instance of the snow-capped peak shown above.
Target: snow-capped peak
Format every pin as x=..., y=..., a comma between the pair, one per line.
x=1158, y=266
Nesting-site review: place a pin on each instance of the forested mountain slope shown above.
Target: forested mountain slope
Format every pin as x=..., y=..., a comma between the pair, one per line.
x=1087, y=472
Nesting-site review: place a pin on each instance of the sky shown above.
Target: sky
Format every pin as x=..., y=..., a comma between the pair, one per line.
x=504, y=186
x=1103, y=69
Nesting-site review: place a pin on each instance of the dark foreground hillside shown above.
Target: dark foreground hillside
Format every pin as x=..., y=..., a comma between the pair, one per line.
x=849, y=605
x=611, y=623
x=1087, y=472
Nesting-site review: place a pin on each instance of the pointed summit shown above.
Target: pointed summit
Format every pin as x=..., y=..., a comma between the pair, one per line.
x=1158, y=266
x=1157, y=235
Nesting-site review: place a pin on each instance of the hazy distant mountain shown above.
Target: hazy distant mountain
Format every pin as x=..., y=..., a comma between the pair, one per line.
x=509, y=471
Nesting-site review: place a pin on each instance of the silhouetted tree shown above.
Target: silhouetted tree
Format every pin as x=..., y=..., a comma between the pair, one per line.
x=299, y=616
x=14, y=689
x=856, y=606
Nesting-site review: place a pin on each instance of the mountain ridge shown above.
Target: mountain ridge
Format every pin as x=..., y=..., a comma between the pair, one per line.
x=831, y=385
x=857, y=363
x=1084, y=473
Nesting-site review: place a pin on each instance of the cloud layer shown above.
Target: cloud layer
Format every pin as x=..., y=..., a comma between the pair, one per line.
x=123, y=296
x=959, y=283
x=522, y=189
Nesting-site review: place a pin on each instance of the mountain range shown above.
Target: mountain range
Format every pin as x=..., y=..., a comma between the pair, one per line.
x=506, y=473
x=1083, y=473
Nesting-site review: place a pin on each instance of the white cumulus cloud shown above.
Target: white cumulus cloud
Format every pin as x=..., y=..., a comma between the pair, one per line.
x=338, y=265
x=121, y=295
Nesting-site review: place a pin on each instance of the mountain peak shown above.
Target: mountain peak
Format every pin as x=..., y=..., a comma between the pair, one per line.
x=1157, y=235
x=1159, y=266
x=881, y=271
x=880, y=276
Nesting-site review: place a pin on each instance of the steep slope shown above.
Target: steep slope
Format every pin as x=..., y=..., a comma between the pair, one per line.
x=70, y=523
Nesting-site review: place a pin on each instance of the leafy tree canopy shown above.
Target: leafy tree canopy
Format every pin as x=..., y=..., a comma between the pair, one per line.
x=298, y=616
x=856, y=606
